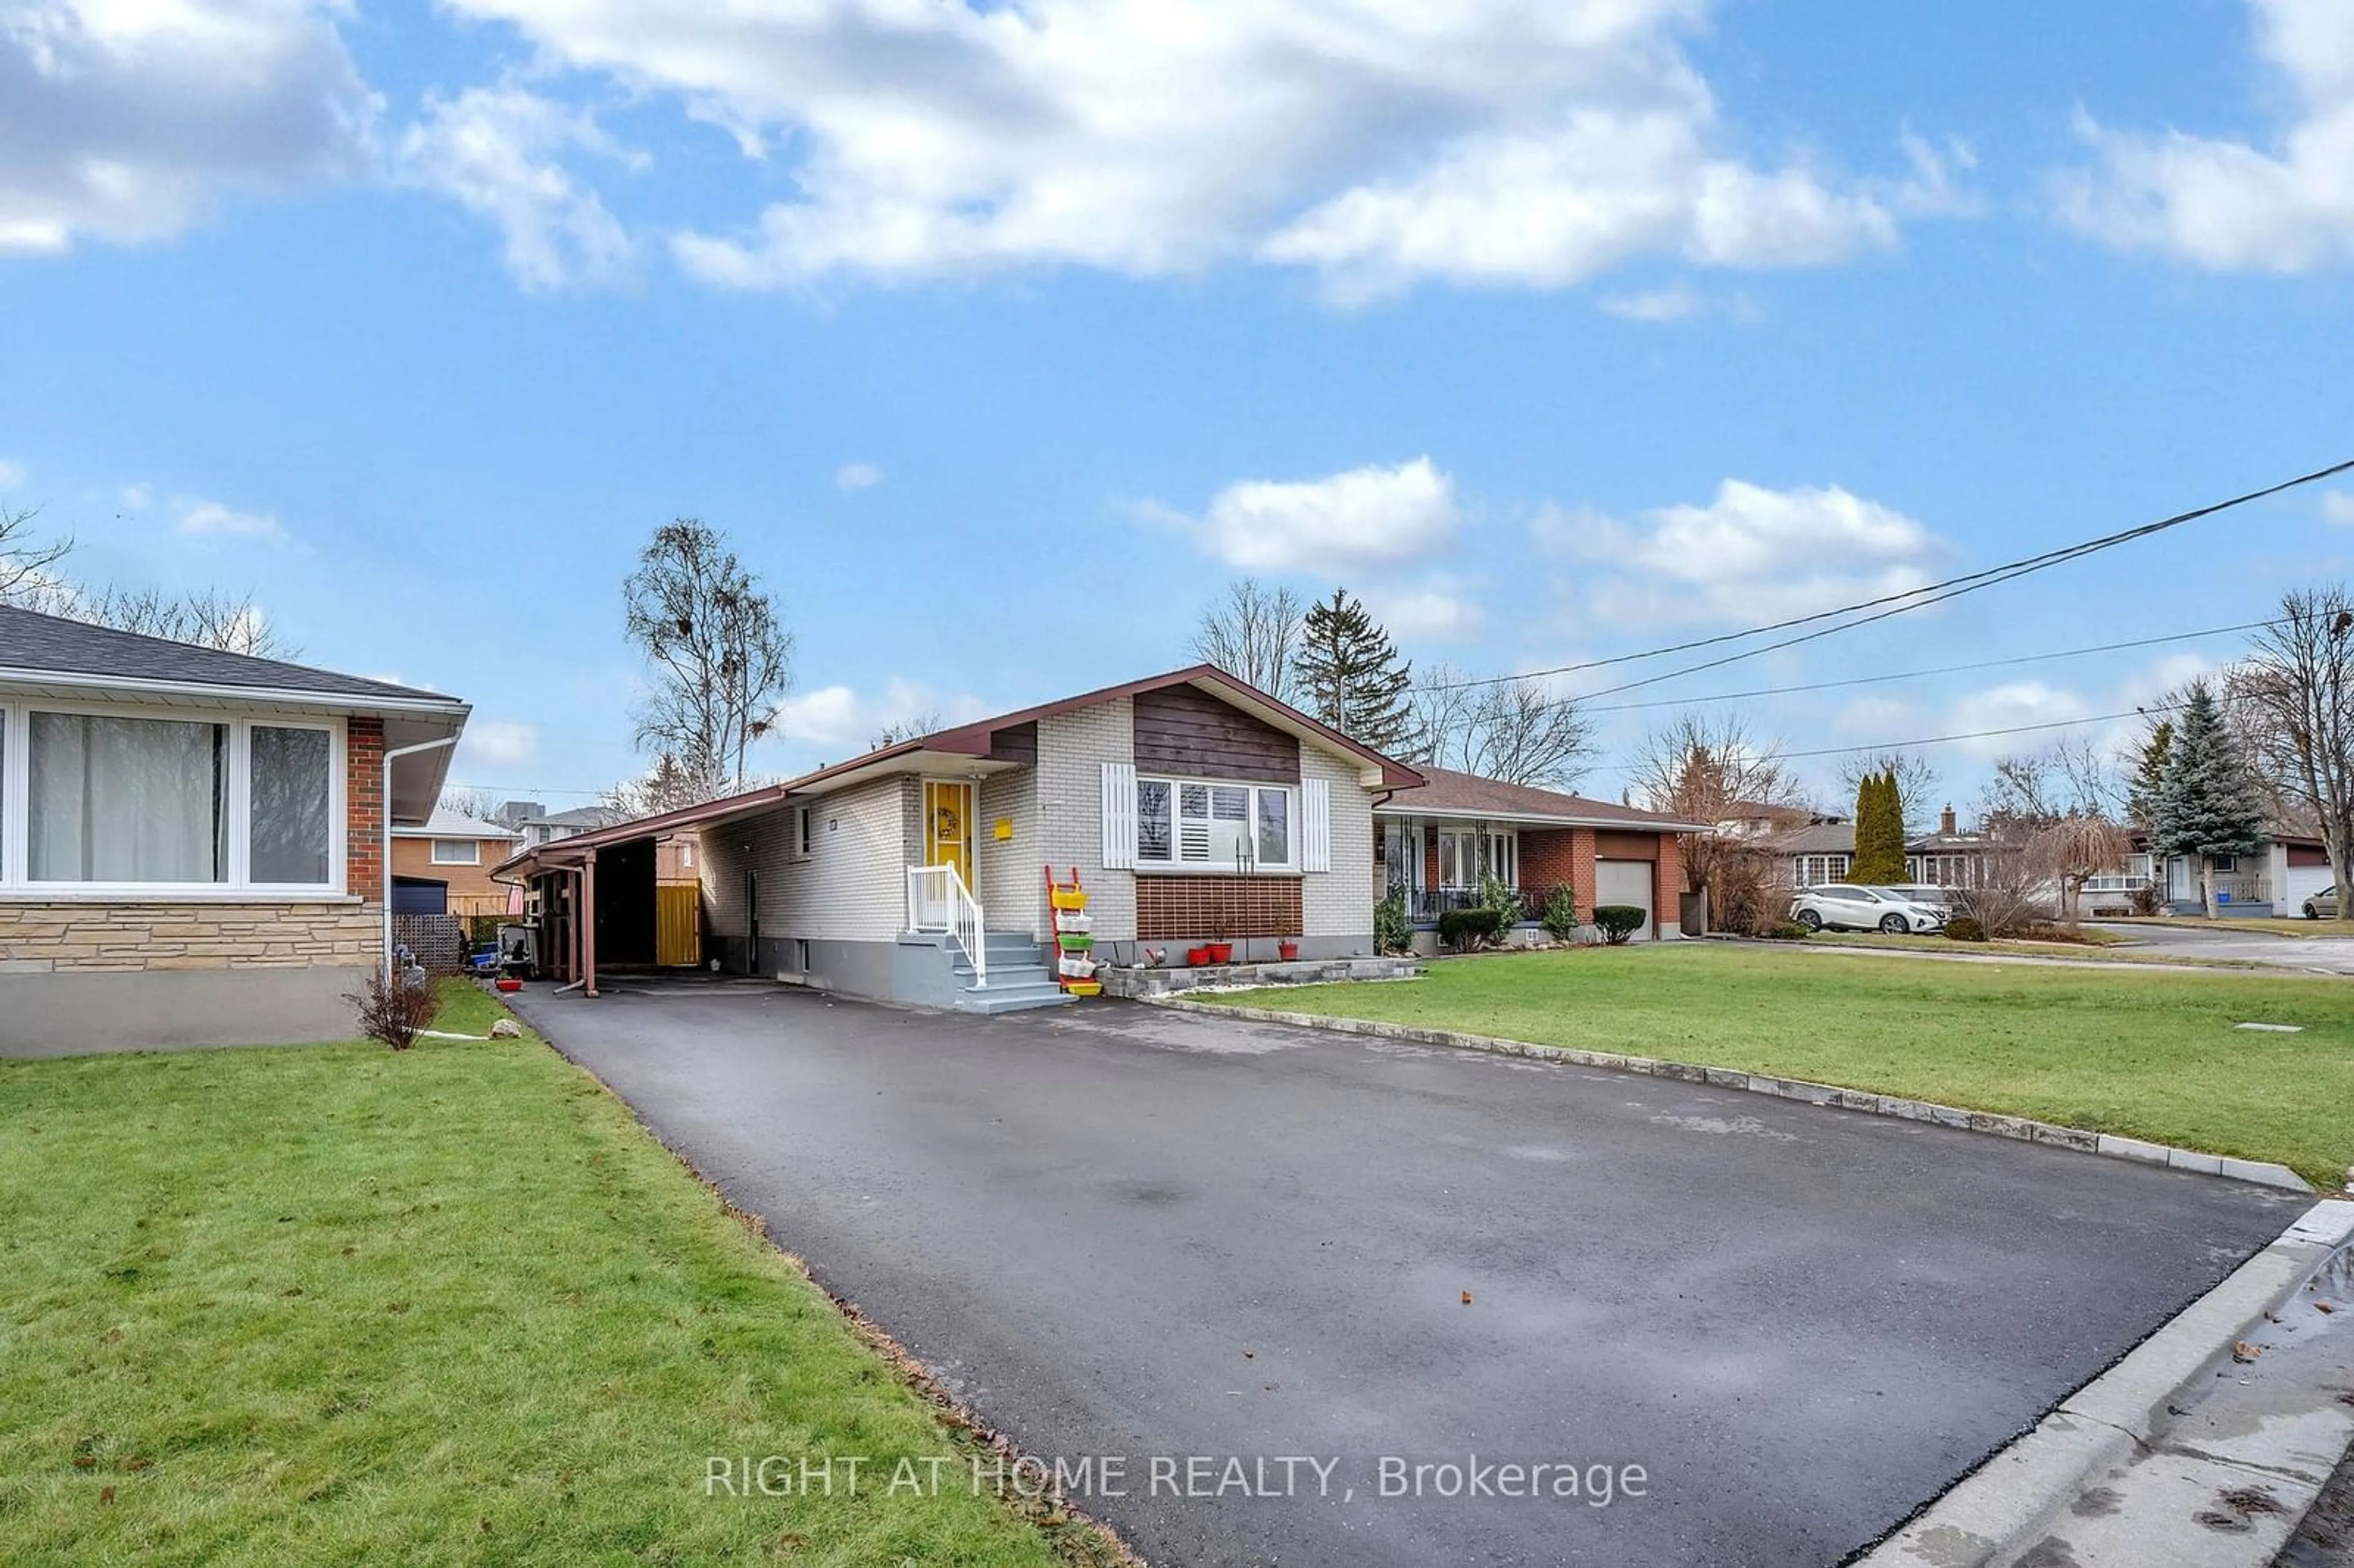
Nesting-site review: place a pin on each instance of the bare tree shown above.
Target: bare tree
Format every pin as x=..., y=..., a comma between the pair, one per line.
x=1712, y=770
x=206, y=618
x=23, y=562
x=469, y=801
x=2035, y=789
x=1517, y=730
x=667, y=785
x=916, y=728
x=1253, y=634
x=2292, y=700
x=1916, y=782
x=721, y=659
x=2071, y=850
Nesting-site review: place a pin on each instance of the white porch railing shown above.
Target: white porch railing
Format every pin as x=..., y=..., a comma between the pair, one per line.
x=938, y=900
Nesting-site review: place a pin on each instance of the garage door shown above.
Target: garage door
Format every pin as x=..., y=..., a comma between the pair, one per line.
x=2303, y=882
x=1624, y=881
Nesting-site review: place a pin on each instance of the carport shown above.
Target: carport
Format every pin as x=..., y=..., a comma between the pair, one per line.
x=624, y=898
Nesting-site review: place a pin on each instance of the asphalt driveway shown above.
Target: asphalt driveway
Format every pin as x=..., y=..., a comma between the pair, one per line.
x=2324, y=955
x=1122, y=1232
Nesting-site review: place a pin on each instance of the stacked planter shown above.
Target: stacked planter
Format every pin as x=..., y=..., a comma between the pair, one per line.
x=1075, y=943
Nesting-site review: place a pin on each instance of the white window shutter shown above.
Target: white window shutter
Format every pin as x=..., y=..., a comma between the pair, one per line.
x=1119, y=816
x=1316, y=825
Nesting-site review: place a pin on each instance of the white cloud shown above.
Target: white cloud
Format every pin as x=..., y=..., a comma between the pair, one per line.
x=839, y=721
x=124, y=121
x=200, y=518
x=1677, y=301
x=858, y=476
x=1368, y=517
x=12, y=474
x=1376, y=142
x=499, y=743
x=1750, y=554
x=497, y=153
x=135, y=497
x=1881, y=718
x=1434, y=609
x=2338, y=508
x=2228, y=204
x=2010, y=706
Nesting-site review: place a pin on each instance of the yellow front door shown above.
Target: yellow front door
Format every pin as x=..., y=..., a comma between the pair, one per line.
x=947, y=827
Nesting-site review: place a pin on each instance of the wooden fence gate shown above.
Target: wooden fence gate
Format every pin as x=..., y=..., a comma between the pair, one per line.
x=678, y=926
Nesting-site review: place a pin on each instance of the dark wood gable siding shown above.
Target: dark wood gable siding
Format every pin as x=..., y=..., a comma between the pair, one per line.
x=1019, y=744
x=1191, y=734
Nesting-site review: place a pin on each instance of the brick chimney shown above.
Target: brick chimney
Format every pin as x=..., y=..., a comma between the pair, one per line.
x=1945, y=821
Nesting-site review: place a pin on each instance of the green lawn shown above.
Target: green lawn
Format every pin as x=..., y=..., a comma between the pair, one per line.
x=2292, y=926
x=2150, y=1056
x=2101, y=948
x=331, y=1305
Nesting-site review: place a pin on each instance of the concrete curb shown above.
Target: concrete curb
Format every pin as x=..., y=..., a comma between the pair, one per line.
x=2012, y=1508
x=2083, y=1139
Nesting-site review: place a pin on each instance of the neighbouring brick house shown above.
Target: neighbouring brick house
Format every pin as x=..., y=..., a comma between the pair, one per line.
x=192, y=843
x=1191, y=806
x=1440, y=838
x=443, y=864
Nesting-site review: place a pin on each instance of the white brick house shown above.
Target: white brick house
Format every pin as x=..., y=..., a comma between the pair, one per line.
x=1190, y=806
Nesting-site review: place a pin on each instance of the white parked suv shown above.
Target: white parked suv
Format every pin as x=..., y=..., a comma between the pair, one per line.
x=1844, y=908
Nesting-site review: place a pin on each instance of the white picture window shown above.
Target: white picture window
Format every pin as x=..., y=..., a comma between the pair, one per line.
x=127, y=799
x=290, y=807
x=1193, y=822
x=457, y=851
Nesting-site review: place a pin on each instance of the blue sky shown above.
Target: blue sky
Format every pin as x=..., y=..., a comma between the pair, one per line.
x=998, y=337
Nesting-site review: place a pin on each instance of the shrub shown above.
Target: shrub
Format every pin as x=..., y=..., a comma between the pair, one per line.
x=1393, y=930
x=1560, y=917
x=1494, y=895
x=1617, y=922
x=1786, y=931
x=2145, y=900
x=1964, y=928
x=393, y=1013
x=1464, y=929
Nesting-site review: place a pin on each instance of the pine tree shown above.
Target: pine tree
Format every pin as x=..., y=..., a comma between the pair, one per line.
x=2206, y=803
x=2149, y=772
x=1351, y=677
x=1879, y=831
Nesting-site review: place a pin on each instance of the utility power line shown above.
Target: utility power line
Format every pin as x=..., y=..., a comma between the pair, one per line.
x=1919, y=674
x=1883, y=745
x=1902, y=603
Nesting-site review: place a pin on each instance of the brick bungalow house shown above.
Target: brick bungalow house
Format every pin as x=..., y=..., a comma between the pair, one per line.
x=1189, y=804
x=1439, y=838
x=192, y=842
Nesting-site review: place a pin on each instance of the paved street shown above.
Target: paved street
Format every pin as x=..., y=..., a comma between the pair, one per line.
x=1120, y=1231
x=2312, y=955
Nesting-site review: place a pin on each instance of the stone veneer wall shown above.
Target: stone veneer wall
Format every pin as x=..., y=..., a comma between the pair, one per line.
x=102, y=938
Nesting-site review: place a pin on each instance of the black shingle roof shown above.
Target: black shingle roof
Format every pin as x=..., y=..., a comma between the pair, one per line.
x=33, y=642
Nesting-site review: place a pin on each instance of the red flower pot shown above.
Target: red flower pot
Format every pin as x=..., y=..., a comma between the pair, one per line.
x=1286, y=951
x=508, y=982
x=1196, y=956
x=1222, y=952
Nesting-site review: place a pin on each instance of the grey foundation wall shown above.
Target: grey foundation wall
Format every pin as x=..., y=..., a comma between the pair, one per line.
x=69, y=1015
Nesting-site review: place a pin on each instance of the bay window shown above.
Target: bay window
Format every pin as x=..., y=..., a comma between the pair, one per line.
x=1197, y=823
x=99, y=801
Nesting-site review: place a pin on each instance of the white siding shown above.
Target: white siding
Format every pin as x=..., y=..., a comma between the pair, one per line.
x=1072, y=749
x=1339, y=903
x=1012, y=872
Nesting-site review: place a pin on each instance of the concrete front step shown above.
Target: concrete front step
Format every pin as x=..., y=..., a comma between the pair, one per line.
x=1012, y=998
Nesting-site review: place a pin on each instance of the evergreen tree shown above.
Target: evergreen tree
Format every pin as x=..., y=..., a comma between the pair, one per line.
x=2149, y=772
x=2207, y=803
x=1351, y=677
x=1879, y=831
